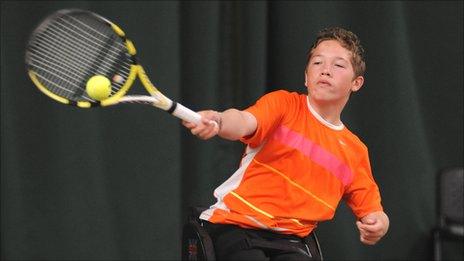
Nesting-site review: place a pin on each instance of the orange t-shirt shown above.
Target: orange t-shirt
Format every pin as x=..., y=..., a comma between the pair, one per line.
x=295, y=170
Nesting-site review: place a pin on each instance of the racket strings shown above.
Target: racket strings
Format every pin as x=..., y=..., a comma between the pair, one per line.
x=76, y=71
x=70, y=50
x=65, y=68
x=62, y=58
x=83, y=38
x=95, y=33
x=66, y=51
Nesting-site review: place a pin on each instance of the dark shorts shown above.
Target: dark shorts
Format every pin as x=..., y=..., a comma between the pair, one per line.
x=236, y=243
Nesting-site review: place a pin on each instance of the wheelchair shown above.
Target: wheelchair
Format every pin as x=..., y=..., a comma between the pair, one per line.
x=197, y=244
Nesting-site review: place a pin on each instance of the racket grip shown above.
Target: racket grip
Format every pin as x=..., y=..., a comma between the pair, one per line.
x=186, y=114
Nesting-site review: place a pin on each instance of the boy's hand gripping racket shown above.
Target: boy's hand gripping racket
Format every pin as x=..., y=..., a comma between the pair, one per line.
x=80, y=58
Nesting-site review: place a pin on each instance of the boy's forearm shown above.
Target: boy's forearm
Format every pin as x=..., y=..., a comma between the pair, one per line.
x=235, y=124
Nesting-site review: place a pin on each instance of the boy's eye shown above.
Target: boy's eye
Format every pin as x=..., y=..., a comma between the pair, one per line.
x=339, y=65
x=317, y=62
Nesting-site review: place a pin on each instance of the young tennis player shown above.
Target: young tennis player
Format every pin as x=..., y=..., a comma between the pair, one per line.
x=300, y=161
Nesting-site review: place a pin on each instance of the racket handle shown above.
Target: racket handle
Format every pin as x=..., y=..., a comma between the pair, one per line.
x=184, y=113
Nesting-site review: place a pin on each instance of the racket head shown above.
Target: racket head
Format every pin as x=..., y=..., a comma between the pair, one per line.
x=69, y=47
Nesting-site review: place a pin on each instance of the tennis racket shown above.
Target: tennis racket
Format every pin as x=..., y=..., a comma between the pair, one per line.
x=70, y=46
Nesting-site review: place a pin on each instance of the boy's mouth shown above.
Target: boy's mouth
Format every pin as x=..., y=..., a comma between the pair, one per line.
x=323, y=82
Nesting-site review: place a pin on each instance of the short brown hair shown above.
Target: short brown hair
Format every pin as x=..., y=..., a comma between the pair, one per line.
x=348, y=40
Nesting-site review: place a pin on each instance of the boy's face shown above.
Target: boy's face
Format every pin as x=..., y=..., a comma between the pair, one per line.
x=330, y=75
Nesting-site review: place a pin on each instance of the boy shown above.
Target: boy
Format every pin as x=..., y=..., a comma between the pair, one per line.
x=300, y=161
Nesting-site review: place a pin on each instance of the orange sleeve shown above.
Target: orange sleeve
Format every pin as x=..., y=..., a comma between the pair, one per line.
x=363, y=195
x=268, y=111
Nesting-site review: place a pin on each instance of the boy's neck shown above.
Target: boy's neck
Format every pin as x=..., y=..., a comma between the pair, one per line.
x=328, y=111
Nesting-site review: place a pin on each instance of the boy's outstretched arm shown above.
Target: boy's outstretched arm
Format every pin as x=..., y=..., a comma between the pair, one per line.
x=232, y=124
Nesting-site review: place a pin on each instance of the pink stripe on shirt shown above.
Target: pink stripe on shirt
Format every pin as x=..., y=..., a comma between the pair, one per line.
x=315, y=152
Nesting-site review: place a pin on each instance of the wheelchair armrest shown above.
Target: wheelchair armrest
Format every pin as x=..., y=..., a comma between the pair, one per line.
x=194, y=212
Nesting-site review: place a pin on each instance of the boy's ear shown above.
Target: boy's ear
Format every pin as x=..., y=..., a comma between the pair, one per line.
x=306, y=79
x=357, y=83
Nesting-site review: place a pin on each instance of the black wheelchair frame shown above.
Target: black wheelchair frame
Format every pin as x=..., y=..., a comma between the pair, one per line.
x=197, y=244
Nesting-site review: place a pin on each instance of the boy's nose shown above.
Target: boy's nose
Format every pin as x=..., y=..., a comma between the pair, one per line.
x=326, y=70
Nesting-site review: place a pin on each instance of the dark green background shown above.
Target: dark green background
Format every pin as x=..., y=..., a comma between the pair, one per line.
x=115, y=183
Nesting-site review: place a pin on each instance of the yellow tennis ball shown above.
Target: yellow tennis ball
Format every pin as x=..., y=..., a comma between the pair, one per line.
x=98, y=87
